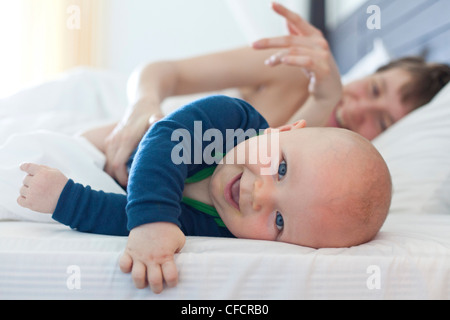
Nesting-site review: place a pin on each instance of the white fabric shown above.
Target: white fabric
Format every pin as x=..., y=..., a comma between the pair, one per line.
x=39, y=124
x=73, y=102
x=417, y=151
x=408, y=260
x=75, y=157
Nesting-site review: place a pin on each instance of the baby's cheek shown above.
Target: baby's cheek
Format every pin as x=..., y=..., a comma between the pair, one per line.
x=256, y=229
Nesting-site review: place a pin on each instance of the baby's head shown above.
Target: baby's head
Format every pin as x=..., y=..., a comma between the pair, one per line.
x=330, y=188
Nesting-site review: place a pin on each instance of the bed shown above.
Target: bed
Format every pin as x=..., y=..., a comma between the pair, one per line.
x=409, y=259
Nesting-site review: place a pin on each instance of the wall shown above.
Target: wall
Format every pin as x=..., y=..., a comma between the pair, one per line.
x=126, y=33
x=257, y=20
x=139, y=31
x=339, y=10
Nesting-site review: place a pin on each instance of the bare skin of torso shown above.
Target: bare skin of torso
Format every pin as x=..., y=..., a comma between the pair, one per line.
x=277, y=103
x=276, y=92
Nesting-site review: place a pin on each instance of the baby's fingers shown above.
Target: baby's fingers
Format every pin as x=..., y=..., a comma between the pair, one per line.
x=170, y=273
x=30, y=168
x=139, y=275
x=27, y=180
x=126, y=263
x=24, y=190
x=158, y=274
x=22, y=201
x=155, y=278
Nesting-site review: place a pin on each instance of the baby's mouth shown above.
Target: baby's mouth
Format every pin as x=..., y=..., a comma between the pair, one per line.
x=232, y=192
x=235, y=192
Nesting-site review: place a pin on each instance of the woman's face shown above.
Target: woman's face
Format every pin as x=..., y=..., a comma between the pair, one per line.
x=371, y=105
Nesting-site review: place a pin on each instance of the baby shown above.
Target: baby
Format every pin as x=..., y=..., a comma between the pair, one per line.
x=314, y=187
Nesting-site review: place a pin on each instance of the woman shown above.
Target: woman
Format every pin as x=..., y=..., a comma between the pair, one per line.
x=282, y=94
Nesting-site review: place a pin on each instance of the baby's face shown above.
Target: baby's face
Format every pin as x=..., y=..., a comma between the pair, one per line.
x=291, y=197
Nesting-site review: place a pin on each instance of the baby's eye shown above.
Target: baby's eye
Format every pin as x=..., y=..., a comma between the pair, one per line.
x=279, y=221
x=282, y=170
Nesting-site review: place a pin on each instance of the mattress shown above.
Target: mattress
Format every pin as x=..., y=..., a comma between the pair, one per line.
x=40, y=259
x=409, y=259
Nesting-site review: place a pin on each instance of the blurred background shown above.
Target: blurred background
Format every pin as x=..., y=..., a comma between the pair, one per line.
x=43, y=38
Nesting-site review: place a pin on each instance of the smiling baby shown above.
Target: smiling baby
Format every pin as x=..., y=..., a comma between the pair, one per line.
x=313, y=187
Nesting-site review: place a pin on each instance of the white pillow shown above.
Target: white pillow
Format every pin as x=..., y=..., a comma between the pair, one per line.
x=375, y=59
x=417, y=151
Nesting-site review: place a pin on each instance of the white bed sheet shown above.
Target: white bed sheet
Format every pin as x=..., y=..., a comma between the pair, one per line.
x=411, y=258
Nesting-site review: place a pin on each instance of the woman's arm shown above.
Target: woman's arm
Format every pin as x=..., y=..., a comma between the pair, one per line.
x=237, y=68
x=154, y=82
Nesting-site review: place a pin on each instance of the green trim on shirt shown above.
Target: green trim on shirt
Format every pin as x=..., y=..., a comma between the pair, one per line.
x=207, y=209
x=200, y=206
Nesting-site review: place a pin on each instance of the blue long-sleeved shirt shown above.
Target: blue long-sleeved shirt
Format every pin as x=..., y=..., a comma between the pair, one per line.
x=173, y=150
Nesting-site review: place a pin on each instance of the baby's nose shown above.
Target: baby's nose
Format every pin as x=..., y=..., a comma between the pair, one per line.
x=263, y=197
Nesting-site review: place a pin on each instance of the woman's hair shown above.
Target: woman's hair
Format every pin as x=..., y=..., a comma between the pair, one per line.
x=427, y=79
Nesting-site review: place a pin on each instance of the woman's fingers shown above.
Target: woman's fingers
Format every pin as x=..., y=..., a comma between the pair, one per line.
x=291, y=41
x=292, y=29
x=117, y=153
x=300, y=57
x=299, y=61
x=277, y=58
x=297, y=23
x=110, y=151
x=307, y=48
x=120, y=164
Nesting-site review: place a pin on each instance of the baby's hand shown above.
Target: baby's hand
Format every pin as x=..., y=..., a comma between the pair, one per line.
x=41, y=188
x=149, y=255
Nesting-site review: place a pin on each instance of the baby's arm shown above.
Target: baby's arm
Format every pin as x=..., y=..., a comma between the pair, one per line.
x=47, y=190
x=41, y=188
x=150, y=249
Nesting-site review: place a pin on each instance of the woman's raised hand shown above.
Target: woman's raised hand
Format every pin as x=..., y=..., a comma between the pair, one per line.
x=305, y=47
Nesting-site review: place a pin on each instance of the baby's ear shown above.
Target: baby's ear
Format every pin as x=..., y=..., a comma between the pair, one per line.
x=288, y=127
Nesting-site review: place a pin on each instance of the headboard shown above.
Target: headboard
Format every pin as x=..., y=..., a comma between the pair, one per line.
x=408, y=27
